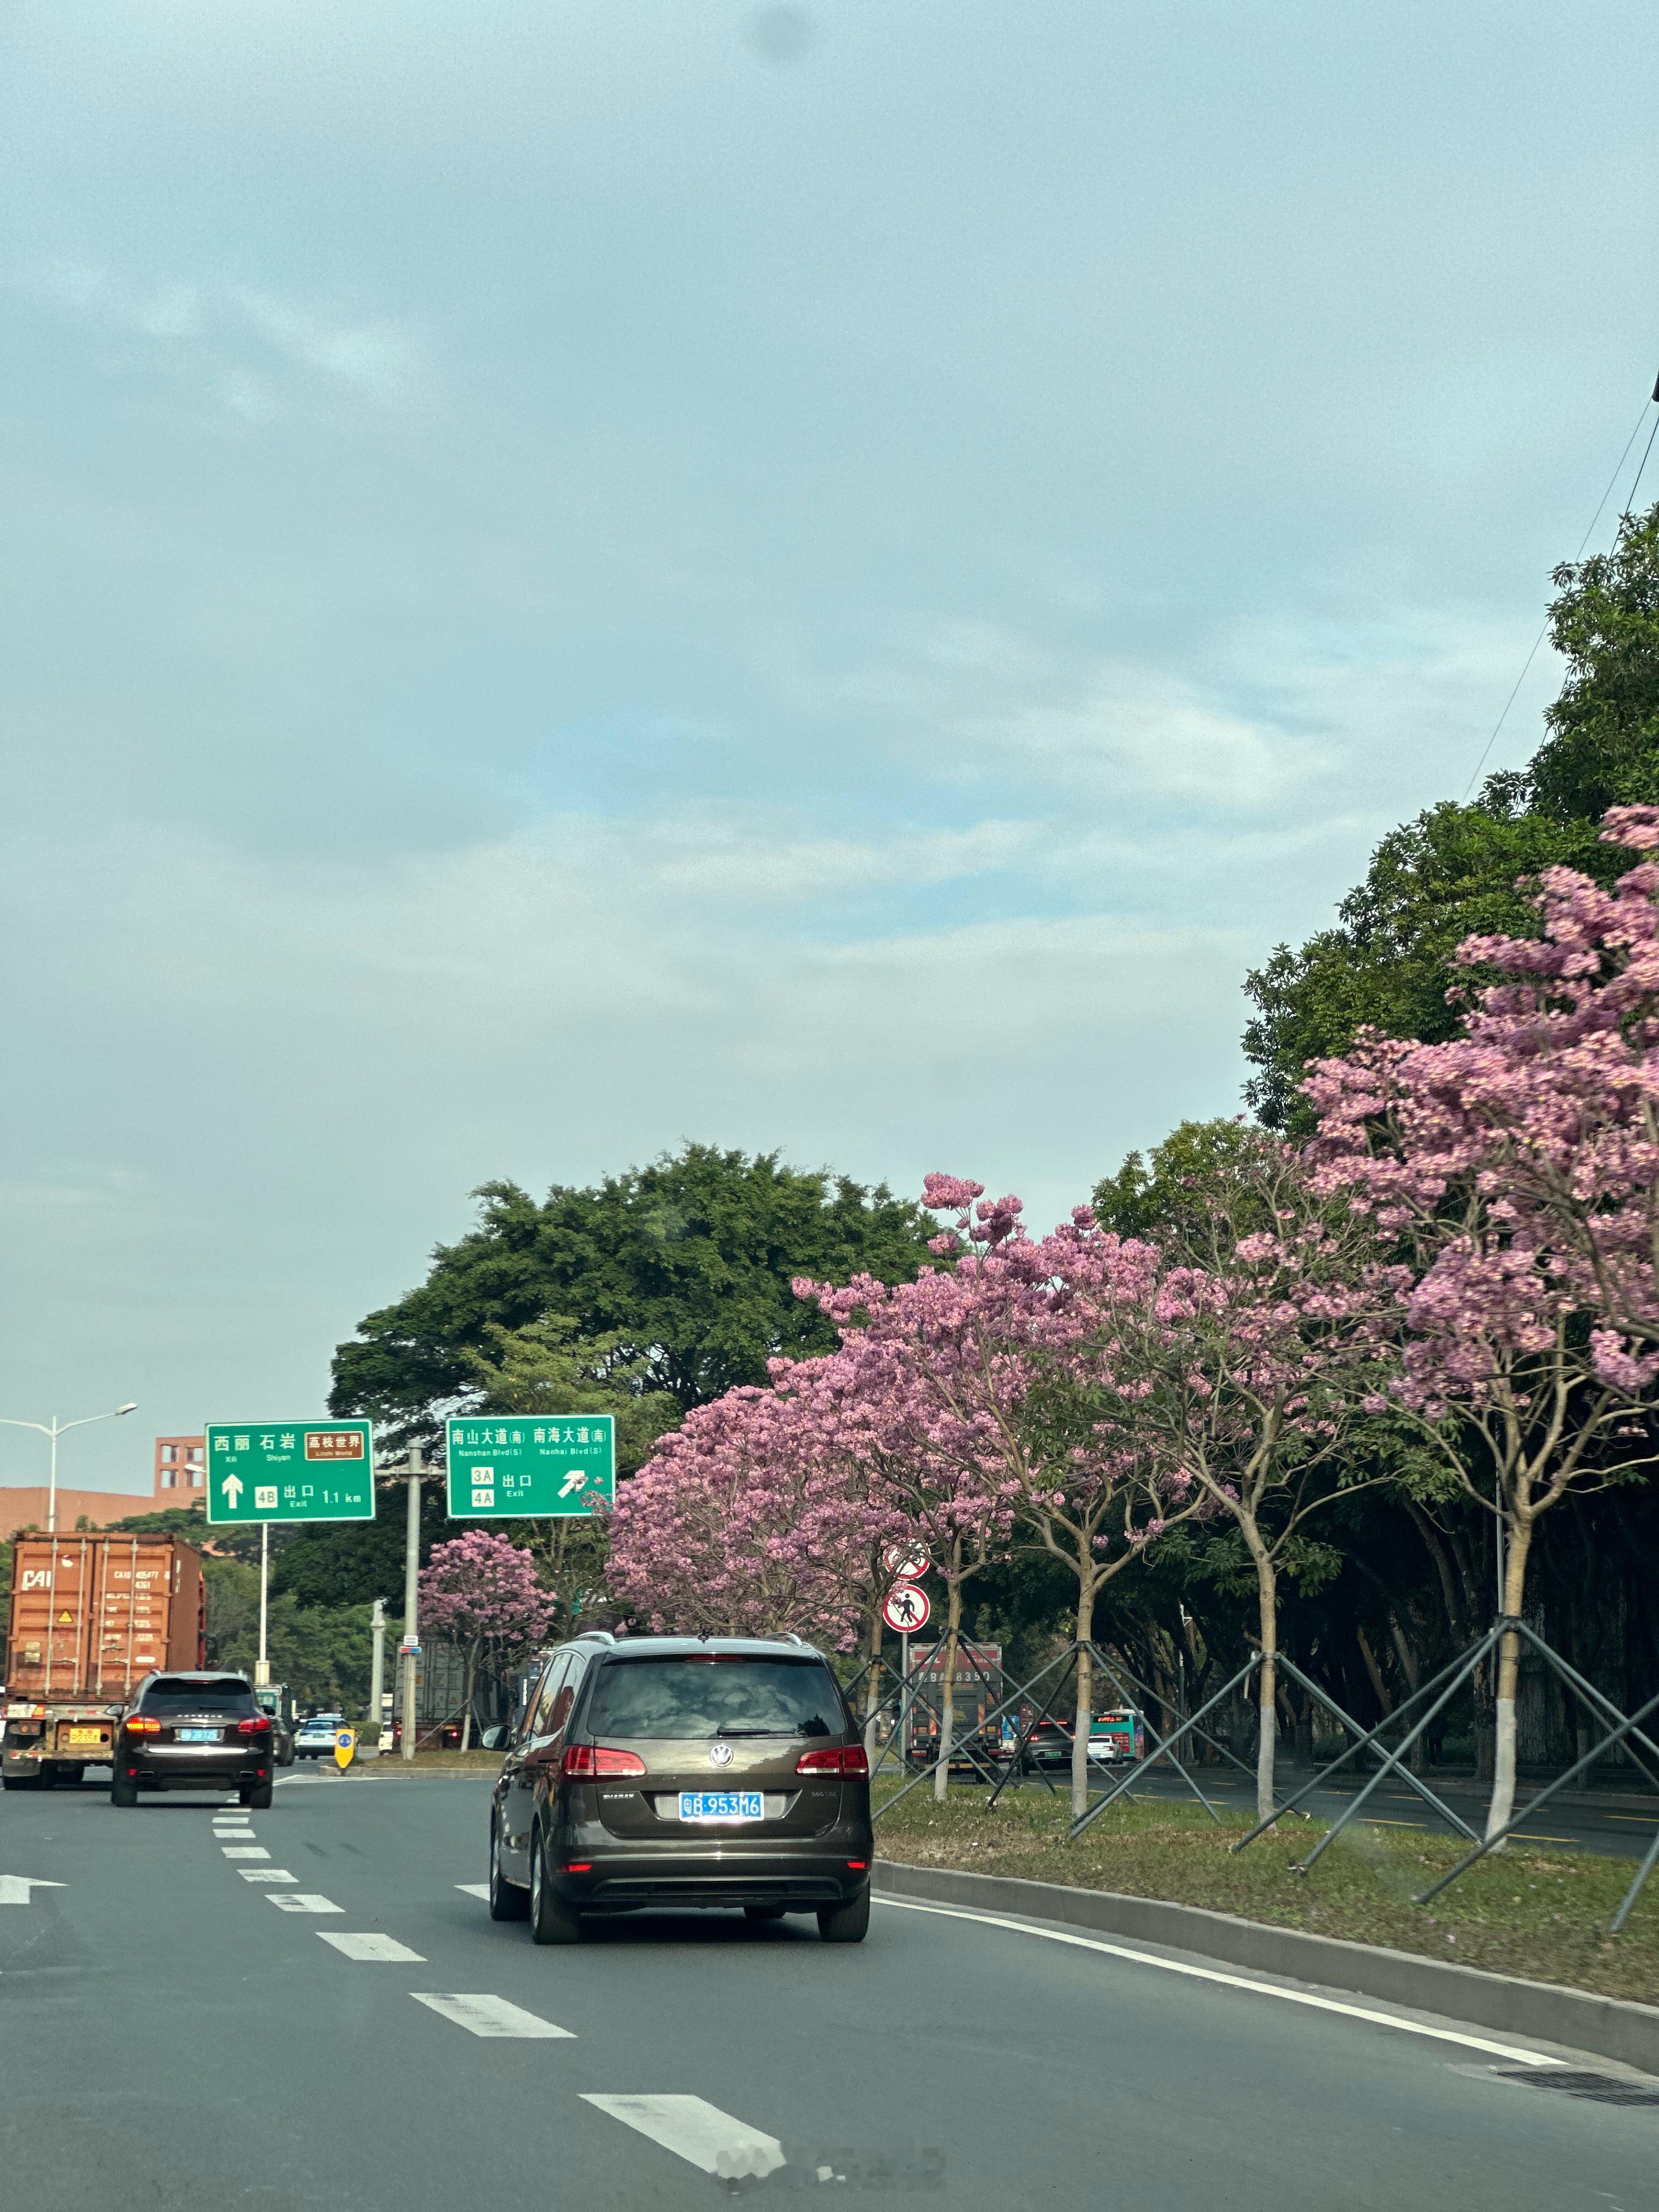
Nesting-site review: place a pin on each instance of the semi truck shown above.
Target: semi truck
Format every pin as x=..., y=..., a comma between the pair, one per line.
x=91, y=1615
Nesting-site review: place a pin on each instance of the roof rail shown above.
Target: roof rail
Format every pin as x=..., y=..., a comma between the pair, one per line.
x=594, y=1635
x=790, y=1637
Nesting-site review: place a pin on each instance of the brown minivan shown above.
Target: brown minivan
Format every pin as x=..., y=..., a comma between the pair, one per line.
x=682, y=1771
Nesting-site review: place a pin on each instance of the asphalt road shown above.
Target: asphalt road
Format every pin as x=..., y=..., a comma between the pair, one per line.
x=172, y=2035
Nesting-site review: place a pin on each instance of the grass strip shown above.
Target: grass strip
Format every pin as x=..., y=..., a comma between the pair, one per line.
x=1540, y=1913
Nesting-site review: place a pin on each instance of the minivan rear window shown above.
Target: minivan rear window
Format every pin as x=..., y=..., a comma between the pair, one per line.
x=653, y=1700
x=173, y=1693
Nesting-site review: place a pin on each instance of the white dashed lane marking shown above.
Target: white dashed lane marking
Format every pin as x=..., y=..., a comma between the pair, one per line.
x=303, y=1900
x=372, y=1946
x=474, y=1889
x=245, y=1851
x=698, y=2132
x=493, y=2016
x=267, y=1874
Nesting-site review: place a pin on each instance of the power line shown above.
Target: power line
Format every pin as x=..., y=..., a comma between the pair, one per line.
x=1635, y=428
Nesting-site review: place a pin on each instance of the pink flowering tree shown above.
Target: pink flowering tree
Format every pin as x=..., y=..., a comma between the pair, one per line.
x=983, y=1401
x=482, y=1591
x=749, y=1520
x=1517, y=1166
x=994, y=1395
x=1240, y=1361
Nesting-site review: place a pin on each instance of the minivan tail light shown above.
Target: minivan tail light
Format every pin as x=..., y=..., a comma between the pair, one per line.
x=850, y=1760
x=586, y=1762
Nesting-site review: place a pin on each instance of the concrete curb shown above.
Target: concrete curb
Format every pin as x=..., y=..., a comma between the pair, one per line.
x=1610, y=2027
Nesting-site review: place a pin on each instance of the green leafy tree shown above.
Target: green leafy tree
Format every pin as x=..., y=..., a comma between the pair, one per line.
x=1452, y=872
x=680, y=1270
x=322, y=1652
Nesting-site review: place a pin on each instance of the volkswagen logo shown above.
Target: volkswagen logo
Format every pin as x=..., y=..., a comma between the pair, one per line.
x=720, y=1754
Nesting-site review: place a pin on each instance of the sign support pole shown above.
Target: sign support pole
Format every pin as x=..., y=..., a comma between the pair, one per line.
x=411, y=1598
x=904, y=1697
x=262, y=1670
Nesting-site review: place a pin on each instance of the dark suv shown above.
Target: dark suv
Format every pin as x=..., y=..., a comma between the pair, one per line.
x=674, y=1771
x=193, y=1732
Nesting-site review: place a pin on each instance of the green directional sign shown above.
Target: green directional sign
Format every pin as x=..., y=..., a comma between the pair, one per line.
x=290, y=1470
x=526, y=1467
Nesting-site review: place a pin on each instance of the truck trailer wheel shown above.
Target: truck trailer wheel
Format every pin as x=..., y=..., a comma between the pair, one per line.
x=22, y=1781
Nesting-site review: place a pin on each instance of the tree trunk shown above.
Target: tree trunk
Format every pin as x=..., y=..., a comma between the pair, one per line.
x=468, y=1678
x=948, y=1702
x=1502, y=1807
x=1266, y=1587
x=872, y=1683
x=1085, y=1701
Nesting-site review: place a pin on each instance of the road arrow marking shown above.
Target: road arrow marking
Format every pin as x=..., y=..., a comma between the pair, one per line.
x=233, y=1487
x=14, y=1888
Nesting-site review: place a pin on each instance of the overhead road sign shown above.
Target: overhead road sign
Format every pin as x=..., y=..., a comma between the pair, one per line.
x=906, y=1608
x=290, y=1470
x=530, y=1467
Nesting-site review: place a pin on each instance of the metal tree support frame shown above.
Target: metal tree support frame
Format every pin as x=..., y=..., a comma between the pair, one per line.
x=1435, y=1695
x=1165, y=1746
x=1454, y=1676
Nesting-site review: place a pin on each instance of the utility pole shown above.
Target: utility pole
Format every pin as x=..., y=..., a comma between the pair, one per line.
x=377, y=1672
x=411, y=1646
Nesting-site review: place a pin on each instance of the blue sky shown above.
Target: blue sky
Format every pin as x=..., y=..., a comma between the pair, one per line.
x=822, y=577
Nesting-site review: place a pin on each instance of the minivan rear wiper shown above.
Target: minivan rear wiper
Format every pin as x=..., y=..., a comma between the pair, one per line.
x=726, y=1728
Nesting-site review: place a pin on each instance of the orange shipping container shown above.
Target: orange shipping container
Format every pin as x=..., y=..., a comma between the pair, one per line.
x=92, y=1615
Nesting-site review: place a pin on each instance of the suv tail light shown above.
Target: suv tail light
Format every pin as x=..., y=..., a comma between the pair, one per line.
x=585, y=1762
x=258, y=1726
x=850, y=1760
x=141, y=1724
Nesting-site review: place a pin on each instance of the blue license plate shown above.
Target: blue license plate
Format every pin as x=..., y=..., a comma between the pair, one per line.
x=722, y=1805
x=199, y=1735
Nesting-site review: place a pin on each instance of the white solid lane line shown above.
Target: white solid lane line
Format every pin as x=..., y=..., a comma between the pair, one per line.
x=304, y=1900
x=1234, y=1982
x=475, y=1889
x=698, y=2132
x=493, y=2016
x=245, y=1851
x=372, y=1946
x=267, y=1874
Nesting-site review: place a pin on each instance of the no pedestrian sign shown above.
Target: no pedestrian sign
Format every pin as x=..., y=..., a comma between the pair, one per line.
x=531, y=1467
x=290, y=1470
x=906, y=1608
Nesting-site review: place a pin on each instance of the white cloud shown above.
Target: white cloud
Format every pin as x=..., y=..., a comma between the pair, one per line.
x=241, y=344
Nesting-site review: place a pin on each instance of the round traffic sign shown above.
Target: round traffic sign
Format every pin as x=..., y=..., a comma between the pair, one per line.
x=906, y=1608
x=906, y=1561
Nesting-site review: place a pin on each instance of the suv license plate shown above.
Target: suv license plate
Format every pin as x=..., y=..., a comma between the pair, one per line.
x=722, y=1805
x=199, y=1735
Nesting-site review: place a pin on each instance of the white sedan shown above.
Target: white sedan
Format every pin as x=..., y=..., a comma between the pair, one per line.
x=314, y=1739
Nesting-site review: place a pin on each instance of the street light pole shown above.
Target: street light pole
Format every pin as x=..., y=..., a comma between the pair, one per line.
x=56, y=1428
x=411, y=1599
x=262, y=1671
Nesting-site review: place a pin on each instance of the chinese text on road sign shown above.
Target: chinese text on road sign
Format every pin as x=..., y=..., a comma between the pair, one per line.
x=290, y=1470
x=530, y=1466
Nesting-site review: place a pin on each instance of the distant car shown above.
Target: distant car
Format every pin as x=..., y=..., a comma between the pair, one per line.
x=197, y=1731
x=314, y=1738
x=282, y=1732
x=1048, y=1744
